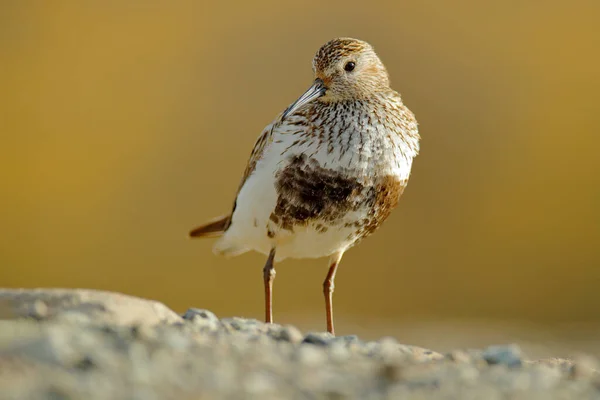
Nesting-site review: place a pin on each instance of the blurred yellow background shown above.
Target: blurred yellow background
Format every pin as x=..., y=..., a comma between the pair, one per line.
x=125, y=124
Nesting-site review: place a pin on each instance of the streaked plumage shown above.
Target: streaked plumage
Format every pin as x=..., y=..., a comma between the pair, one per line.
x=328, y=170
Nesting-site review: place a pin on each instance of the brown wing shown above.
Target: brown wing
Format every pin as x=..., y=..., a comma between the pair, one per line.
x=218, y=226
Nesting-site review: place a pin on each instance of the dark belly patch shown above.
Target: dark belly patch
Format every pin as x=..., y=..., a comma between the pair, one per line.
x=308, y=193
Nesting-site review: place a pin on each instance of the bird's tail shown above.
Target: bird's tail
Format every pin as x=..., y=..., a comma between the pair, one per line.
x=213, y=228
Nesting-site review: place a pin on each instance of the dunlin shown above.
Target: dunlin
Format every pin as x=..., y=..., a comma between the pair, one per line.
x=326, y=172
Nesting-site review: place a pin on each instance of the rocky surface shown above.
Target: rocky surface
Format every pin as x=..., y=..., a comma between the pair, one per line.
x=81, y=344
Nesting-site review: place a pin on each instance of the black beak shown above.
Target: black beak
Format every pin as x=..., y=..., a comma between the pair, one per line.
x=314, y=92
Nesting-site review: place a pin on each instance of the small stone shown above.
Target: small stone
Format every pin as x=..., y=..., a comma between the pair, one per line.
x=286, y=334
x=346, y=340
x=39, y=310
x=203, y=320
x=584, y=367
x=509, y=355
x=458, y=356
x=243, y=324
x=318, y=339
x=422, y=355
x=193, y=314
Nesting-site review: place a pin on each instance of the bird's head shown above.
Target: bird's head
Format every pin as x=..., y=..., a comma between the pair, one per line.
x=344, y=69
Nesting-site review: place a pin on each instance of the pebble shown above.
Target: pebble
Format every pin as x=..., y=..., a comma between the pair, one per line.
x=346, y=340
x=244, y=325
x=509, y=355
x=202, y=320
x=38, y=310
x=319, y=339
x=584, y=367
x=195, y=314
x=287, y=333
x=458, y=356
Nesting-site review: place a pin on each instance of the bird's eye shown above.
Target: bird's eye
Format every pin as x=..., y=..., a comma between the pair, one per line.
x=349, y=67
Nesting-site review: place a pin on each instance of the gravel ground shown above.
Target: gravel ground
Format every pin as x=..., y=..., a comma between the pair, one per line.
x=80, y=344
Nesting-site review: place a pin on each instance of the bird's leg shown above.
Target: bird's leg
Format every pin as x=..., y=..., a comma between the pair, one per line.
x=269, y=277
x=328, y=287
